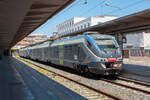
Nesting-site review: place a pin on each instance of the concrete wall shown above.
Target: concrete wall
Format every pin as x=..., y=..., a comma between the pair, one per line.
x=79, y=23
x=147, y=38
x=101, y=19
x=83, y=24
x=136, y=39
x=67, y=26
x=78, y=19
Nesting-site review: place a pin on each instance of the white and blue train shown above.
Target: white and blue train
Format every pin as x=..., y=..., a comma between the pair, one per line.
x=92, y=52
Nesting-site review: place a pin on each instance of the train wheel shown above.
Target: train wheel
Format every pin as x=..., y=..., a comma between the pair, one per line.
x=87, y=72
x=75, y=66
x=79, y=68
x=83, y=69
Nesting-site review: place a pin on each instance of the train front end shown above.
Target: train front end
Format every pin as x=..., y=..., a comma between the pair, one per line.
x=108, y=56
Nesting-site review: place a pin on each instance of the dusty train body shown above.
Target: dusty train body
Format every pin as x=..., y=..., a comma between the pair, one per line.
x=99, y=54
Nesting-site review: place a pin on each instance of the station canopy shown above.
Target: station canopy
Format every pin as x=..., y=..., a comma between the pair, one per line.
x=130, y=23
x=19, y=18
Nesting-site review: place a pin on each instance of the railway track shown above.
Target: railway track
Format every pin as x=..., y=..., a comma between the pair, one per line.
x=133, y=81
x=76, y=82
x=127, y=86
x=105, y=80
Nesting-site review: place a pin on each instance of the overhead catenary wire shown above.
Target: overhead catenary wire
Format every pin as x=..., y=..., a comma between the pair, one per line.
x=73, y=5
x=95, y=6
x=107, y=3
x=127, y=6
x=65, y=10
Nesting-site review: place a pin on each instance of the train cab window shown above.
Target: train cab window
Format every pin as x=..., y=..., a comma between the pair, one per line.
x=88, y=43
x=106, y=44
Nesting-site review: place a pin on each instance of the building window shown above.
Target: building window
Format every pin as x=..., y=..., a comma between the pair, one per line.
x=81, y=27
x=88, y=24
x=84, y=25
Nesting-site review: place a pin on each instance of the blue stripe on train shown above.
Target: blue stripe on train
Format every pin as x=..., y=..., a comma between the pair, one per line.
x=92, y=42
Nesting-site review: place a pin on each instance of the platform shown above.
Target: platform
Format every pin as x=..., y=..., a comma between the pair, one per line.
x=137, y=72
x=18, y=82
x=11, y=87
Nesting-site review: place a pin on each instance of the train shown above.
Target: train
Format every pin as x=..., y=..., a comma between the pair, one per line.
x=90, y=52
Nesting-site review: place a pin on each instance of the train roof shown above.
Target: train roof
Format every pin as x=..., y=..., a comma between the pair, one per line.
x=79, y=38
x=101, y=36
x=83, y=36
x=69, y=40
x=43, y=44
x=37, y=43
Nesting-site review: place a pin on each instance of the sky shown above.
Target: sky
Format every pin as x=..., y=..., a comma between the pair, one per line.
x=87, y=8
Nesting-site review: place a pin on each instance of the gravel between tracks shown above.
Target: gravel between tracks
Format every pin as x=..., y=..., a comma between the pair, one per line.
x=121, y=92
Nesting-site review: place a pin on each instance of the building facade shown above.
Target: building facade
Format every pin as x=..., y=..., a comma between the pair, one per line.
x=68, y=25
x=30, y=39
x=138, y=43
x=78, y=23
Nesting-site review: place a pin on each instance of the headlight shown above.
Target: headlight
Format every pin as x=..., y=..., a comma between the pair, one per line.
x=117, y=65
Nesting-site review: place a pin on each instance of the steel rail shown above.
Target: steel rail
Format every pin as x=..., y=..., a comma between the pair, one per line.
x=126, y=86
x=134, y=81
x=84, y=85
